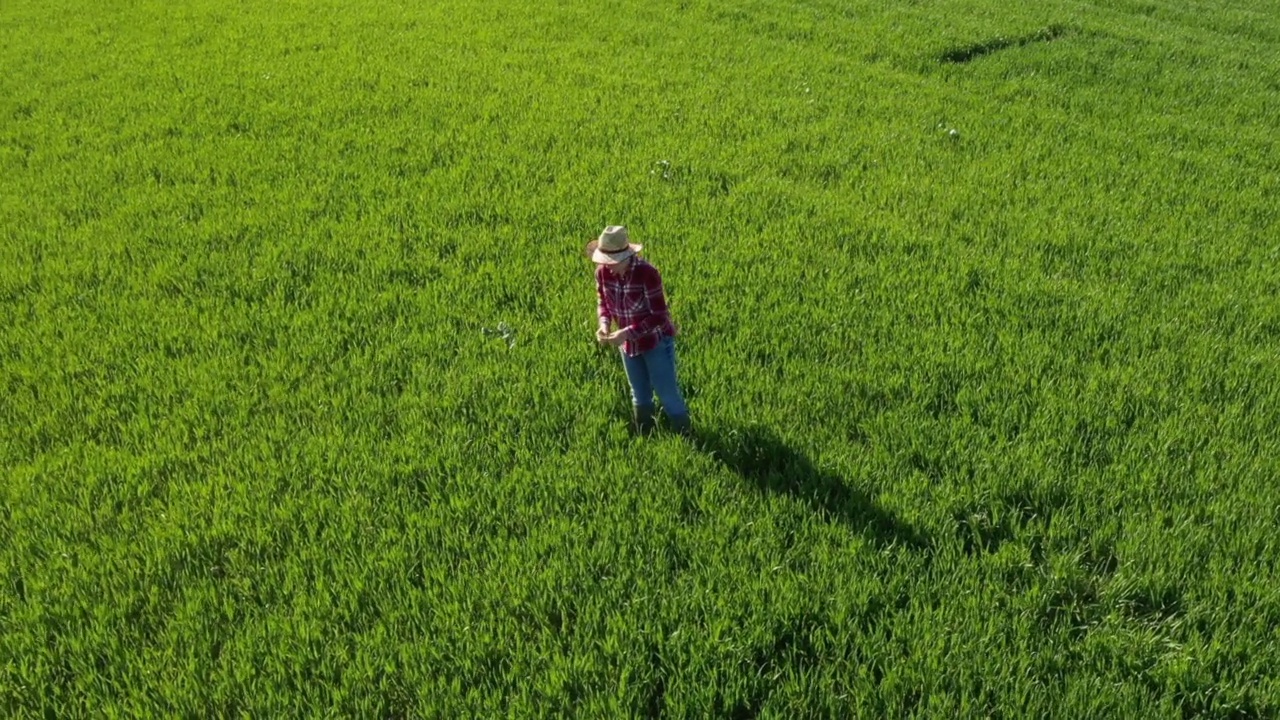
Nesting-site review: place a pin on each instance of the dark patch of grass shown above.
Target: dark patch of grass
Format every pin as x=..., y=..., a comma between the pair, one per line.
x=968, y=53
x=984, y=528
x=1155, y=603
x=756, y=454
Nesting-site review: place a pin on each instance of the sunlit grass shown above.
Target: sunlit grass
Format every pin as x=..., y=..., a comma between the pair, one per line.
x=301, y=411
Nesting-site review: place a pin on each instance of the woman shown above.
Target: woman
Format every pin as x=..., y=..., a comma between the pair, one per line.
x=630, y=297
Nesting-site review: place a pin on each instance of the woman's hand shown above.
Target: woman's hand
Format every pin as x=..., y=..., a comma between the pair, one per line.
x=617, y=338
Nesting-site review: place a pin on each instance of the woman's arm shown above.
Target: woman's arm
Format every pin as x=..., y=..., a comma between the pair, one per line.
x=602, y=306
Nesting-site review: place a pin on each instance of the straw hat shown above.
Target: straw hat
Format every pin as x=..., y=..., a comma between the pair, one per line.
x=612, y=247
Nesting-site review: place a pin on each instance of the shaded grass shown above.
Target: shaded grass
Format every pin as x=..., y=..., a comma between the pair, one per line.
x=759, y=456
x=973, y=51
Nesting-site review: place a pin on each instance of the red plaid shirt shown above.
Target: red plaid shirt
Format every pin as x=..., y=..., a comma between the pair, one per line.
x=635, y=301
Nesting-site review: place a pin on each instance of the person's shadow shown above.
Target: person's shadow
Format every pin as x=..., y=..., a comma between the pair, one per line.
x=758, y=455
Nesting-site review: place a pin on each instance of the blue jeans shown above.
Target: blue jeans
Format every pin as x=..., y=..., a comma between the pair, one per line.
x=656, y=371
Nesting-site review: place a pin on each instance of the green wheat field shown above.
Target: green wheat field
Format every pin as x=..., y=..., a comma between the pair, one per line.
x=301, y=411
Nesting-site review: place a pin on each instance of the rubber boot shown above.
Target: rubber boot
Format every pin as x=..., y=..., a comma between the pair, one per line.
x=682, y=425
x=644, y=420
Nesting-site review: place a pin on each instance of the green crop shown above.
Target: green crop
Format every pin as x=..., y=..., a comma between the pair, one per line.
x=301, y=411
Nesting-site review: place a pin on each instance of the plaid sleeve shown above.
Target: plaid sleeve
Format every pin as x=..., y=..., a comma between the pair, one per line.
x=602, y=308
